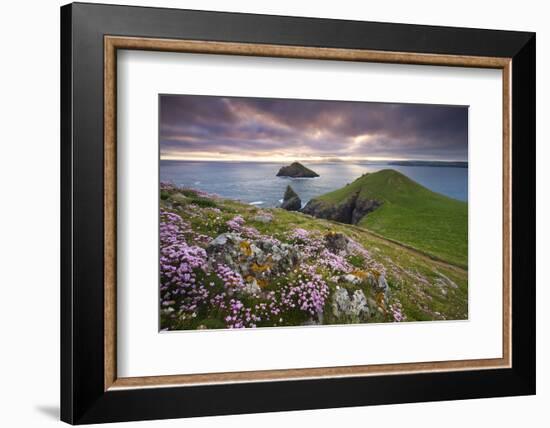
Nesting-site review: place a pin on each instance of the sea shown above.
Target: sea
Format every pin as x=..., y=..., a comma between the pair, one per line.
x=256, y=183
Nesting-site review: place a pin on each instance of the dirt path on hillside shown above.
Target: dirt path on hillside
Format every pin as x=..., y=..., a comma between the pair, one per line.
x=419, y=253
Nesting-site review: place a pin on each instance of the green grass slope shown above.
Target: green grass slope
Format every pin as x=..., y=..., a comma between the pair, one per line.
x=411, y=214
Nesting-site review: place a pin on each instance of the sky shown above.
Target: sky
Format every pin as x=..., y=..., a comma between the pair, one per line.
x=196, y=127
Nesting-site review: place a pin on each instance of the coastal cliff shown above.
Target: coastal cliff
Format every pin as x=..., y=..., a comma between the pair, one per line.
x=351, y=210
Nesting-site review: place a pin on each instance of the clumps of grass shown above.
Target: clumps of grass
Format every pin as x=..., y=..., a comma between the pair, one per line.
x=189, y=193
x=203, y=202
x=357, y=261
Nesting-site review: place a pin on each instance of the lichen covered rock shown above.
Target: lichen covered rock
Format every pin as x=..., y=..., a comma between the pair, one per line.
x=346, y=309
x=254, y=260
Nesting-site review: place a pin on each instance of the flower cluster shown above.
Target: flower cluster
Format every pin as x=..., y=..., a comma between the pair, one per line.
x=235, y=224
x=166, y=185
x=306, y=295
x=335, y=262
x=250, y=232
x=240, y=316
x=309, y=243
x=232, y=281
x=180, y=268
x=307, y=292
x=396, y=311
x=172, y=228
x=299, y=234
x=356, y=248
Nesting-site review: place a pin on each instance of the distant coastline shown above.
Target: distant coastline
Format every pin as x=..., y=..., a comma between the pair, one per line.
x=447, y=164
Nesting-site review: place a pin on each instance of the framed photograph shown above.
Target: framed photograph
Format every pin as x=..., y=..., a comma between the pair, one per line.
x=265, y=213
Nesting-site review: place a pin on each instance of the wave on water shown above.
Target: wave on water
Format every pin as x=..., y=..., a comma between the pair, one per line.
x=256, y=203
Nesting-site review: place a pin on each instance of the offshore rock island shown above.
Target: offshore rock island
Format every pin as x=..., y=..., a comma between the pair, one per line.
x=296, y=170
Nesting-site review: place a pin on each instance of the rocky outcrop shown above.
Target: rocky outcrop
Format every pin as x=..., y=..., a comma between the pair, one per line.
x=346, y=309
x=336, y=242
x=291, y=200
x=296, y=170
x=252, y=259
x=263, y=218
x=378, y=282
x=349, y=211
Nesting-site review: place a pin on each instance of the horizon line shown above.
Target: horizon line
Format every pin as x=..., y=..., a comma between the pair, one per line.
x=334, y=160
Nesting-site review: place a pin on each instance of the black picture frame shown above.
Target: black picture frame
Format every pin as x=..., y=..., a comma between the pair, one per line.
x=83, y=398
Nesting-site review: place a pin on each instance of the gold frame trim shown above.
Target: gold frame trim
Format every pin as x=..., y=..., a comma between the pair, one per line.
x=113, y=43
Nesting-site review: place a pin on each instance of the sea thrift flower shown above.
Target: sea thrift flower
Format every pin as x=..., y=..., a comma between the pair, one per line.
x=232, y=281
x=308, y=293
x=236, y=223
x=299, y=234
x=181, y=265
x=334, y=262
x=396, y=311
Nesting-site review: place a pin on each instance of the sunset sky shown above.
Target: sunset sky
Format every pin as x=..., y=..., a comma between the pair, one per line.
x=195, y=127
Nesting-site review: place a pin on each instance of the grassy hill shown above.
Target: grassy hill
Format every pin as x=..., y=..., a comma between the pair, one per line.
x=411, y=214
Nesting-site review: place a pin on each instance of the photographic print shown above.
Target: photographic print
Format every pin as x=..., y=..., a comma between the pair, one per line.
x=291, y=212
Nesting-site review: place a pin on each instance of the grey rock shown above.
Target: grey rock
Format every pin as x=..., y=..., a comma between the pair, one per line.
x=336, y=242
x=252, y=288
x=255, y=258
x=221, y=240
x=224, y=249
x=340, y=302
x=382, y=284
x=314, y=321
x=359, y=306
x=291, y=201
x=445, y=281
x=378, y=281
x=262, y=218
x=292, y=204
x=352, y=279
x=354, y=309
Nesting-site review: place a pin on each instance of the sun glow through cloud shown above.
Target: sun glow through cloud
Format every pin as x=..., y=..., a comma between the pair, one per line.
x=194, y=127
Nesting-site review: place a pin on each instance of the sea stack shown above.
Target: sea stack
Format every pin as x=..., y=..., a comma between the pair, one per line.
x=291, y=200
x=296, y=170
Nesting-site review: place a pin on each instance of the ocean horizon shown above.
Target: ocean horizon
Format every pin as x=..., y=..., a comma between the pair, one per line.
x=256, y=183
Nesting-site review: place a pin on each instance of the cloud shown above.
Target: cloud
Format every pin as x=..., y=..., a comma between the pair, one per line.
x=193, y=126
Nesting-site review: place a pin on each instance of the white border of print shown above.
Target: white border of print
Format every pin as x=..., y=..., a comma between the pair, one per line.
x=143, y=351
